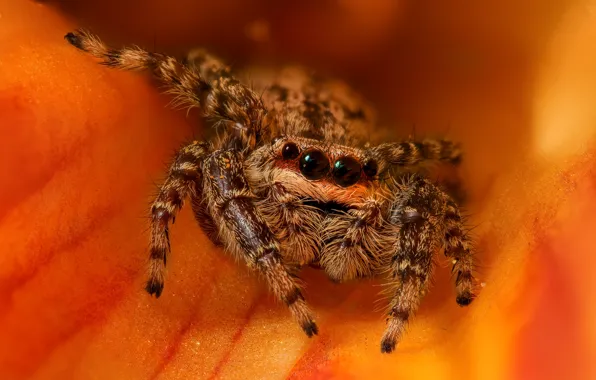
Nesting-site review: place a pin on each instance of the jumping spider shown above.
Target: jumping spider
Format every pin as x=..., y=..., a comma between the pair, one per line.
x=289, y=181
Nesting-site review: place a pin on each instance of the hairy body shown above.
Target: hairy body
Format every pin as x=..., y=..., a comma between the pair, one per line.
x=291, y=179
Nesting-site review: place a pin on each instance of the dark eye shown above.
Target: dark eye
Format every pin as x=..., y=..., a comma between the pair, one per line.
x=314, y=164
x=370, y=168
x=290, y=151
x=346, y=171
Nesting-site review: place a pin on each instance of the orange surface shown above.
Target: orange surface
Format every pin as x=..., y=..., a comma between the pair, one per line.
x=83, y=146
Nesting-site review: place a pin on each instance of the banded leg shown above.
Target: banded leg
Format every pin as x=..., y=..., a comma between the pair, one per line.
x=182, y=177
x=245, y=232
x=227, y=100
x=412, y=153
x=459, y=247
x=413, y=282
x=417, y=218
x=209, y=66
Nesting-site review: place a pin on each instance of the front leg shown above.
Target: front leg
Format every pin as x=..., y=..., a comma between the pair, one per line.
x=422, y=218
x=411, y=153
x=225, y=101
x=245, y=233
x=459, y=247
x=210, y=67
x=181, y=182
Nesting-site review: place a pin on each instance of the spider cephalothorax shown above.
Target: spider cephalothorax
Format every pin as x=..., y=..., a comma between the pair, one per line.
x=291, y=181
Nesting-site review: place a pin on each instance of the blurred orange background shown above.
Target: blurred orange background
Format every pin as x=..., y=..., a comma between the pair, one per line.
x=83, y=148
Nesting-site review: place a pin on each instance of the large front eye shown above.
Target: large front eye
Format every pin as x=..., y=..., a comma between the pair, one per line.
x=346, y=171
x=314, y=164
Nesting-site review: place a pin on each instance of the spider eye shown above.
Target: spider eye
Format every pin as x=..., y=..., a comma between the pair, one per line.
x=314, y=164
x=346, y=171
x=290, y=151
x=371, y=168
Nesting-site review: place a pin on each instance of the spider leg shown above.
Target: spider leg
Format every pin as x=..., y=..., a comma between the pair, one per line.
x=225, y=100
x=413, y=277
x=182, y=81
x=423, y=218
x=210, y=67
x=459, y=247
x=244, y=231
x=410, y=153
x=184, y=174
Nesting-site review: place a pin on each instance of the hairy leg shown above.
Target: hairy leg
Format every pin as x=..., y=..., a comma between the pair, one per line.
x=459, y=247
x=245, y=232
x=421, y=217
x=225, y=101
x=413, y=277
x=411, y=153
x=210, y=67
x=184, y=174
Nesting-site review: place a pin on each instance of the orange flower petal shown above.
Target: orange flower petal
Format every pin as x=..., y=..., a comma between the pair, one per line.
x=83, y=146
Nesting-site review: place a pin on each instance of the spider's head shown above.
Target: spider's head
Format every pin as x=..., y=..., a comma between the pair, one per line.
x=322, y=171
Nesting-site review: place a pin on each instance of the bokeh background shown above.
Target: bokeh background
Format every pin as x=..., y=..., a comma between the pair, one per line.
x=83, y=148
